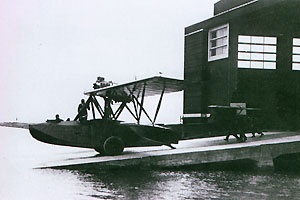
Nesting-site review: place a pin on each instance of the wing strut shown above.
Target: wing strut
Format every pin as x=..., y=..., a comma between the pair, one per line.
x=142, y=109
x=141, y=104
x=107, y=112
x=93, y=110
x=97, y=105
x=158, y=105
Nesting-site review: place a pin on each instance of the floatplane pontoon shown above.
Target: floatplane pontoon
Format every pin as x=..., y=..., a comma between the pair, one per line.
x=107, y=135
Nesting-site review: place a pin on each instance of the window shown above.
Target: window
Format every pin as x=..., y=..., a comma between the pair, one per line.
x=296, y=54
x=257, y=52
x=218, y=42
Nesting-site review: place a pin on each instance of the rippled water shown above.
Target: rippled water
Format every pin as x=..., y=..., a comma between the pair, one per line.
x=188, y=185
x=18, y=180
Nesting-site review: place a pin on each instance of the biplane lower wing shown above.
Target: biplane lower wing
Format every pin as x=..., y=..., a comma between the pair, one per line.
x=232, y=107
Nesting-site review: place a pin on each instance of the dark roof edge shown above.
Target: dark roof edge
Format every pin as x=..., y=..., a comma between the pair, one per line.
x=201, y=25
x=231, y=13
x=223, y=5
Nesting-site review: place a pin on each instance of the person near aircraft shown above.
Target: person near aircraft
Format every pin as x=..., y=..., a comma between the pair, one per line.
x=82, y=110
x=56, y=120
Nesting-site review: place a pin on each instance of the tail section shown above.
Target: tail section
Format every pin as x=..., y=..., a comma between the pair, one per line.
x=15, y=125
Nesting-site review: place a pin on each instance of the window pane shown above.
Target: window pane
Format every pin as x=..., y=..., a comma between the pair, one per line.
x=296, y=58
x=257, y=48
x=221, y=32
x=220, y=50
x=244, y=56
x=257, y=39
x=213, y=43
x=244, y=47
x=269, y=65
x=213, y=52
x=221, y=41
x=213, y=34
x=243, y=64
x=257, y=56
x=296, y=49
x=270, y=49
x=296, y=66
x=244, y=38
x=270, y=40
x=270, y=57
x=296, y=41
x=257, y=65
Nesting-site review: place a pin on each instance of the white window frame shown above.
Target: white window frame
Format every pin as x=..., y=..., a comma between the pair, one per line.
x=296, y=62
x=210, y=48
x=262, y=49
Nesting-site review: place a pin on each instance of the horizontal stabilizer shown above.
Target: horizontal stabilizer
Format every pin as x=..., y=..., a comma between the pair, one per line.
x=15, y=125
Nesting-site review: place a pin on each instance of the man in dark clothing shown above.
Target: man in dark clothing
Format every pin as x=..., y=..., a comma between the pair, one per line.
x=56, y=120
x=82, y=110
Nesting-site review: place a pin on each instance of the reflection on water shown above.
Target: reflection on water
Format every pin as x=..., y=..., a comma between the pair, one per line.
x=19, y=154
x=147, y=184
x=142, y=184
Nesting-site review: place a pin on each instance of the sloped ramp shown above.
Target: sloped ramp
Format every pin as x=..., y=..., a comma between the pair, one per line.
x=262, y=150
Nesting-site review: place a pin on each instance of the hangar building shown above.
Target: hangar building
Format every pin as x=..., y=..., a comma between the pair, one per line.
x=249, y=51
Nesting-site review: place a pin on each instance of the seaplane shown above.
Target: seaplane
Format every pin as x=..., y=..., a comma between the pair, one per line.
x=106, y=134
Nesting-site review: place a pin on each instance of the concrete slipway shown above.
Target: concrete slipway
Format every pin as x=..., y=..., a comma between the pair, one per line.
x=262, y=151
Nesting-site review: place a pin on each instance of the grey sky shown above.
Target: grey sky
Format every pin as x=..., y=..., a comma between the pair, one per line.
x=51, y=51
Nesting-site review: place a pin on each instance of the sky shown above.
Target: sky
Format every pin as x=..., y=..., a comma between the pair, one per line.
x=52, y=51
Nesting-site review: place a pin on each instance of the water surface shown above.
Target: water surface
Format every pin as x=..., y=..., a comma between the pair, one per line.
x=20, y=154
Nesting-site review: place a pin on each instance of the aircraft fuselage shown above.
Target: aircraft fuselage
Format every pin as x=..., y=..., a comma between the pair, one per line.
x=94, y=133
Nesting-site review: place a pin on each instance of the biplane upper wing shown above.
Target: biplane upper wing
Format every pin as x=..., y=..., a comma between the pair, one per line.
x=149, y=86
